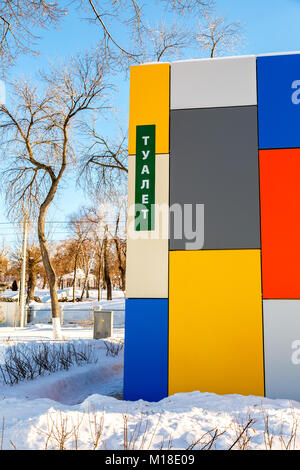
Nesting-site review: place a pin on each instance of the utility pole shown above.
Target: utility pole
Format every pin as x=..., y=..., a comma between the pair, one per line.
x=23, y=272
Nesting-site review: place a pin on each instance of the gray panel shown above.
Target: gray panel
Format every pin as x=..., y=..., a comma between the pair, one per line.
x=282, y=348
x=214, y=161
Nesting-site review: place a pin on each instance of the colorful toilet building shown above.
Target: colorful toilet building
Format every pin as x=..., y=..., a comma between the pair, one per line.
x=225, y=134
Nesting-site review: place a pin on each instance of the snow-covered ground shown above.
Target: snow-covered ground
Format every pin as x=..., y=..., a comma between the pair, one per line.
x=35, y=412
x=77, y=316
x=87, y=403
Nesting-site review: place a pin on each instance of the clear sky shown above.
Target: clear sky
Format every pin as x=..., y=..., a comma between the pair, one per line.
x=270, y=26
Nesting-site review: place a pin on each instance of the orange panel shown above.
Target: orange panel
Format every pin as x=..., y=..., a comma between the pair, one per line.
x=280, y=223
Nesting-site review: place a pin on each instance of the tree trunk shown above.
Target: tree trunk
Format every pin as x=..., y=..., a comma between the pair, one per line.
x=87, y=273
x=106, y=270
x=75, y=278
x=31, y=284
x=99, y=278
x=120, y=264
x=51, y=276
x=84, y=287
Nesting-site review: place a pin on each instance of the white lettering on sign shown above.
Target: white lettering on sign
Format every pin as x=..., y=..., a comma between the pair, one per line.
x=296, y=94
x=146, y=139
x=145, y=184
x=145, y=199
x=145, y=170
x=296, y=354
x=145, y=212
x=145, y=154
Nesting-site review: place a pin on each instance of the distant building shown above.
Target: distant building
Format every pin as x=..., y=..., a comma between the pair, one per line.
x=67, y=280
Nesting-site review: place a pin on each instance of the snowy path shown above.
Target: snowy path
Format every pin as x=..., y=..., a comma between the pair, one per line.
x=72, y=387
x=44, y=331
x=75, y=385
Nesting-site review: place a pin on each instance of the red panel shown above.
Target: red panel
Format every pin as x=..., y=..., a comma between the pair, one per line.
x=280, y=223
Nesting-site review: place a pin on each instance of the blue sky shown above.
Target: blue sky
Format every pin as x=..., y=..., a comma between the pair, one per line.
x=270, y=26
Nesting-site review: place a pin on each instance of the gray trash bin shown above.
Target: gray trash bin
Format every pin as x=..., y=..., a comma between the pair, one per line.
x=103, y=323
x=31, y=312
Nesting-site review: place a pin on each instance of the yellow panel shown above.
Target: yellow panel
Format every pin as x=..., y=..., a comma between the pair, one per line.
x=147, y=259
x=215, y=331
x=150, y=103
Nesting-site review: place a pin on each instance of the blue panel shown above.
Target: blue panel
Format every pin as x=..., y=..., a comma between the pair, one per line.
x=146, y=349
x=278, y=81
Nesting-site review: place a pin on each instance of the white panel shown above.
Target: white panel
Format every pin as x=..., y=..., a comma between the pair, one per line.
x=214, y=83
x=148, y=252
x=282, y=348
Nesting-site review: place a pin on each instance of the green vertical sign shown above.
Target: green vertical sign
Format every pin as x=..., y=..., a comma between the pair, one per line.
x=145, y=178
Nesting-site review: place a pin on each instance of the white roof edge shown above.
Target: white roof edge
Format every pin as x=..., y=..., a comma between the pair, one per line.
x=208, y=59
x=246, y=56
x=150, y=63
x=278, y=53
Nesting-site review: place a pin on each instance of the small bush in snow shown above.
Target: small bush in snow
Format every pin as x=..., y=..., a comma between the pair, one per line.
x=26, y=362
x=113, y=349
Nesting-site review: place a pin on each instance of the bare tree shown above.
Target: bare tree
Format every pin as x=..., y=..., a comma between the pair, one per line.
x=62, y=259
x=145, y=42
x=34, y=260
x=96, y=220
x=190, y=6
x=104, y=160
x=133, y=19
x=217, y=37
x=4, y=263
x=17, y=20
x=106, y=260
x=120, y=245
x=88, y=259
x=104, y=164
x=168, y=41
x=39, y=132
x=80, y=227
x=99, y=263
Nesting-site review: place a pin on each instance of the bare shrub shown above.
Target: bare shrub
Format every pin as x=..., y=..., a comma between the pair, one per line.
x=242, y=427
x=2, y=436
x=140, y=438
x=26, y=362
x=96, y=426
x=2, y=433
x=60, y=430
x=113, y=349
x=63, y=432
x=207, y=440
x=268, y=436
x=242, y=430
x=289, y=442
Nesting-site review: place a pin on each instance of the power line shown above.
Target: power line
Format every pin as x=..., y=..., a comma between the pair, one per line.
x=62, y=222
